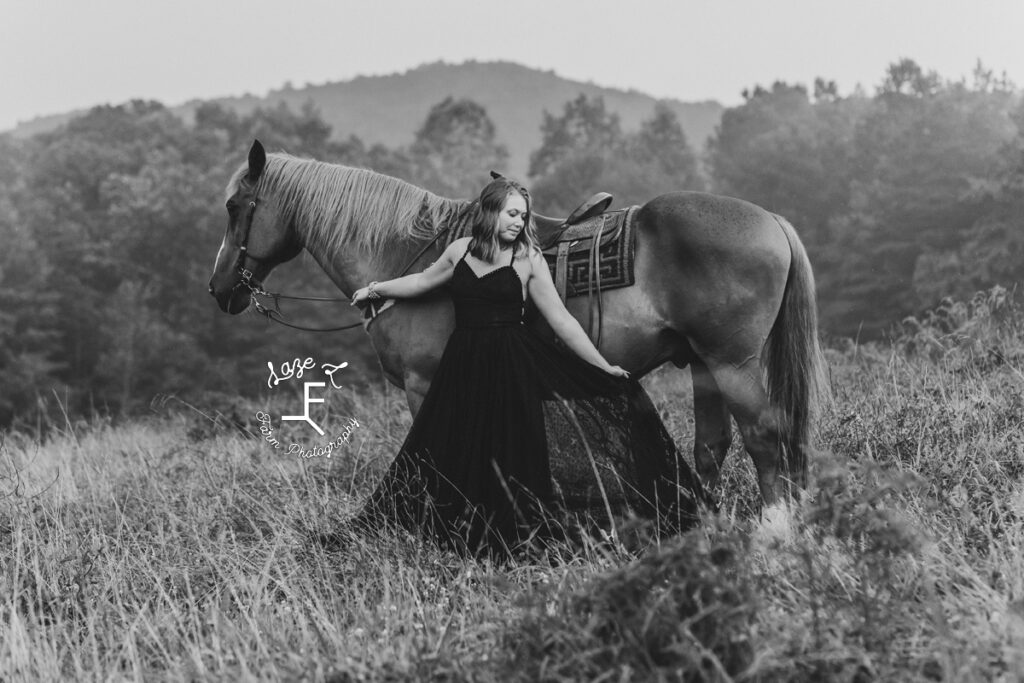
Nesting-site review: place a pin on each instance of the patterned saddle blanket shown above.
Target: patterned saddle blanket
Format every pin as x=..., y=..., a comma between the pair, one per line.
x=595, y=255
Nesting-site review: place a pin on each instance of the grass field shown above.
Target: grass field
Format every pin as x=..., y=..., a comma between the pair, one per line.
x=175, y=548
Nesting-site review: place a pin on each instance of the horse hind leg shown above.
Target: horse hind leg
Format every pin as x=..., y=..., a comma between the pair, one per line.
x=712, y=425
x=759, y=423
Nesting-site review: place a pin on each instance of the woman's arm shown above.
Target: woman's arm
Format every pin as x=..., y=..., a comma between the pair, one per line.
x=545, y=296
x=415, y=284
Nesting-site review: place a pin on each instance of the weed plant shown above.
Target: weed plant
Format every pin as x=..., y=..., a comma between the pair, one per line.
x=178, y=547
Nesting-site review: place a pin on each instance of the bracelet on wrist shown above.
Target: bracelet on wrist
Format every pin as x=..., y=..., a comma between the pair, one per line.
x=371, y=292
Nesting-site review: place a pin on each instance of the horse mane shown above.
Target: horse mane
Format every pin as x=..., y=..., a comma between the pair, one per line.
x=336, y=206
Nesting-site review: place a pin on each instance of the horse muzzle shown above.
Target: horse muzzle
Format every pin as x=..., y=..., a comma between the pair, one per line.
x=233, y=299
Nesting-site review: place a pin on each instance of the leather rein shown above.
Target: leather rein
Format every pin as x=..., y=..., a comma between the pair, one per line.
x=256, y=289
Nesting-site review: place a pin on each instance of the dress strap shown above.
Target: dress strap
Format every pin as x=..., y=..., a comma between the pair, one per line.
x=467, y=251
x=513, y=259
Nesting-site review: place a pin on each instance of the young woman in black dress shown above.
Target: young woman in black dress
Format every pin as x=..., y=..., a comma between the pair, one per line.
x=515, y=435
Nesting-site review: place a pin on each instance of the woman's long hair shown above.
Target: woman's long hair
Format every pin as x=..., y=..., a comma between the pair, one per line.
x=485, y=244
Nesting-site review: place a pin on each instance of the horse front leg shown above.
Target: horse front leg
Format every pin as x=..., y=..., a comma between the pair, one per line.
x=419, y=372
x=712, y=425
x=416, y=381
x=416, y=386
x=409, y=341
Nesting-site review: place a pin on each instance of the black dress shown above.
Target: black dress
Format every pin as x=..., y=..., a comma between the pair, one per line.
x=517, y=439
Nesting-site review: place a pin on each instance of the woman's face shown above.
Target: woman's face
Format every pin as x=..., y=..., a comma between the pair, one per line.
x=511, y=218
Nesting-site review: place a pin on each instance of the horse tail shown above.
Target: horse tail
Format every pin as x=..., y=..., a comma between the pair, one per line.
x=795, y=366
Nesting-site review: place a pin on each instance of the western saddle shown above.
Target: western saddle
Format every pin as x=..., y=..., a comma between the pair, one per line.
x=575, y=234
x=587, y=229
x=550, y=234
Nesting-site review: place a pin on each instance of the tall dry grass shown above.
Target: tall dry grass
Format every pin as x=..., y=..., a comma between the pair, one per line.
x=178, y=548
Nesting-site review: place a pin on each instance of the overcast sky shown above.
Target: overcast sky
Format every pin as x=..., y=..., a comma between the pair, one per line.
x=61, y=55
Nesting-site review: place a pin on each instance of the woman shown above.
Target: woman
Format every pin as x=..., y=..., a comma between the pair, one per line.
x=514, y=432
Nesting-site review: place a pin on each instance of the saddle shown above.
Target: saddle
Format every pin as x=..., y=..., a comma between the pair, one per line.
x=548, y=235
x=591, y=251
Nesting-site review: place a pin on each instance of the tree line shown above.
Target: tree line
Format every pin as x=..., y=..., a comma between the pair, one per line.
x=109, y=224
x=902, y=197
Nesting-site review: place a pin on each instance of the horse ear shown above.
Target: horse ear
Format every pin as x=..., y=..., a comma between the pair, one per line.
x=257, y=160
x=495, y=175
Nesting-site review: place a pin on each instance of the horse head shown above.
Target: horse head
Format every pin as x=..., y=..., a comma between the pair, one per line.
x=255, y=240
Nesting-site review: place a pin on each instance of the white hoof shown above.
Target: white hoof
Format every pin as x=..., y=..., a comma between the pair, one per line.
x=776, y=523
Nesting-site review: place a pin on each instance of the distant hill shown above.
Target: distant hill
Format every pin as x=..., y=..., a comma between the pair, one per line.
x=389, y=109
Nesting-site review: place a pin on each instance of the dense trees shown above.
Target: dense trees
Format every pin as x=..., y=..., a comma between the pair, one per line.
x=109, y=224
x=455, y=148
x=901, y=197
x=585, y=150
x=993, y=248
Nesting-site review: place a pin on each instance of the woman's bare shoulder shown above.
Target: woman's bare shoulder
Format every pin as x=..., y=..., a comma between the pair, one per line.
x=535, y=259
x=457, y=248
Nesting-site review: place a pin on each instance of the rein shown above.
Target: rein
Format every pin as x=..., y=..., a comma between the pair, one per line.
x=255, y=287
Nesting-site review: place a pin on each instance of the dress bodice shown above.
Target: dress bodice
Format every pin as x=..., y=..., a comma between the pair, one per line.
x=494, y=299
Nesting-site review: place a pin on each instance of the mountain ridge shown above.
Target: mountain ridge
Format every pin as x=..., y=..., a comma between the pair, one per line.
x=388, y=109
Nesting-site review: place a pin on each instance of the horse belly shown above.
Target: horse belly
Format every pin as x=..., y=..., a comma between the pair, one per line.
x=634, y=334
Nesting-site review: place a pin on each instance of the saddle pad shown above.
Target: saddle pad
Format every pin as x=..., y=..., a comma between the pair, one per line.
x=616, y=255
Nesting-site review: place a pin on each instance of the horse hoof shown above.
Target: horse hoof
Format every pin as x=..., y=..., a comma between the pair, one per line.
x=776, y=523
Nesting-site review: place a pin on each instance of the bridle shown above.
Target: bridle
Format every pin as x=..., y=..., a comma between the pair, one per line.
x=255, y=287
x=248, y=278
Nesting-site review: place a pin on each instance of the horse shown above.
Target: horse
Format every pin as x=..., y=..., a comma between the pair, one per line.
x=721, y=285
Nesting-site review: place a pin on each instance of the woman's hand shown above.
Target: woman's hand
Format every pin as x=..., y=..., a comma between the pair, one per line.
x=360, y=296
x=617, y=371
